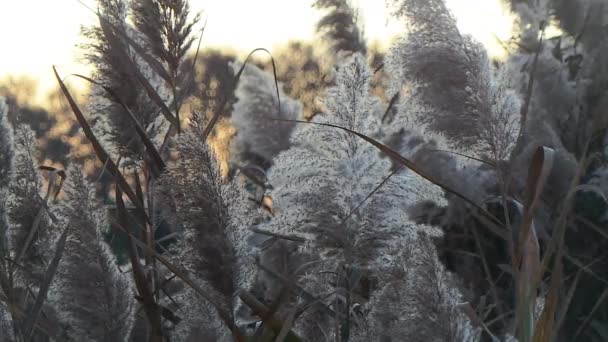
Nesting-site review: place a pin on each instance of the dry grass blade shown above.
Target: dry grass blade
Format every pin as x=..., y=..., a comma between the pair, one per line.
x=222, y=107
x=264, y=312
x=540, y=167
x=379, y=67
x=147, y=233
x=43, y=208
x=378, y=187
x=486, y=269
x=152, y=62
x=390, y=106
x=32, y=317
x=153, y=95
x=198, y=48
x=153, y=312
x=566, y=303
x=253, y=303
x=546, y=326
x=99, y=150
x=297, y=289
x=225, y=316
x=41, y=325
x=592, y=226
x=475, y=319
x=293, y=238
x=487, y=162
x=587, y=320
x=557, y=240
x=585, y=267
x=423, y=173
x=152, y=152
x=287, y=325
x=109, y=31
x=30, y=236
x=527, y=256
x=55, y=171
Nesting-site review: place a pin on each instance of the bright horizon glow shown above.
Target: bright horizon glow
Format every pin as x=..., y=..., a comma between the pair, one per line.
x=40, y=33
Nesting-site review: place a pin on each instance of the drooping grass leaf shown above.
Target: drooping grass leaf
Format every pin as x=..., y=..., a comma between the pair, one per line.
x=527, y=257
x=152, y=62
x=222, y=107
x=103, y=156
x=152, y=152
x=494, y=226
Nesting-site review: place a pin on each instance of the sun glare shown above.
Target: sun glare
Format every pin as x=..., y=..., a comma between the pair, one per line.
x=486, y=20
x=38, y=34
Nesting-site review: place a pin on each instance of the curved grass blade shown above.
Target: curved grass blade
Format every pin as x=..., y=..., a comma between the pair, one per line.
x=390, y=106
x=370, y=194
x=103, y=156
x=489, y=163
x=225, y=316
x=152, y=94
x=412, y=166
x=32, y=317
x=41, y=325
x=222, y=107
x=154, y=155
x=589, y=317
x=41, y=212
x=296, y=289
x=293, y=238
x=527, y=256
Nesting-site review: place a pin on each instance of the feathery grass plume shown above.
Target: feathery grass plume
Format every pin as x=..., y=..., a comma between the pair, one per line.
x=28, y=221
x=214, y=216
x=562, y=79
x=166, y=28
x=6, y=164
x=340, y=26
x=110, y=55
x=6, y=167
x=91, y=294
x=6, y=145
x=559, y=101
x=418, y=299
x=565, y=77
x=422, y=120
x=476, y=180
x=450, y=69
x=407, y=133
x=200, y=321
x=320, y=190
x=259, y=139
x=499, y=128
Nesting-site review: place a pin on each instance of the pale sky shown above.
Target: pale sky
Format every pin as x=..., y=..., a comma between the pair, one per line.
x=35, y=34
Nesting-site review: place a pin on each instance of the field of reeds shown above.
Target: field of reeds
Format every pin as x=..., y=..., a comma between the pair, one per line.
x=333, y=192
